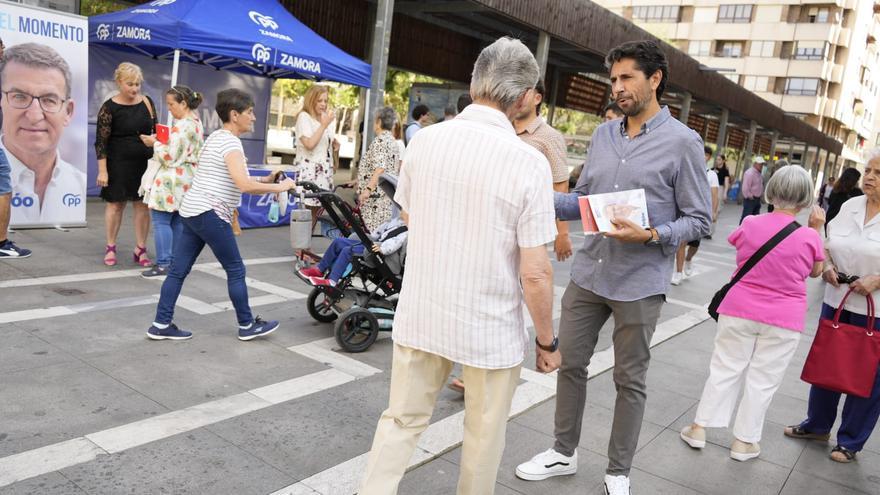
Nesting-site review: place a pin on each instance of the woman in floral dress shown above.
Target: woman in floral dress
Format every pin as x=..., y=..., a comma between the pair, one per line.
x=177, y=163
x=383, y=156
x=315, y=143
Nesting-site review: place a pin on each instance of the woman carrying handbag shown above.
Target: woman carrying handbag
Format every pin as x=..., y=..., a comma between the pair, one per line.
x=853, y=248
x=761, y=315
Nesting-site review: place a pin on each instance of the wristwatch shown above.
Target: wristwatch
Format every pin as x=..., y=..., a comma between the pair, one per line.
x=548, y=348
x=655, y=237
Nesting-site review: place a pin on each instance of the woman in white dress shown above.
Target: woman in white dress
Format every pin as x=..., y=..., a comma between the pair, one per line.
x=315, y=143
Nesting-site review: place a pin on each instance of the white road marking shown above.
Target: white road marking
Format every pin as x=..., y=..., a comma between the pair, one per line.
x=684, y=304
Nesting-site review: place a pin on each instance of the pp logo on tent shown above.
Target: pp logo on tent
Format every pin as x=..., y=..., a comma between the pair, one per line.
x=161, y=3
x=261, y=53
x=263, y=20
x=103, y=31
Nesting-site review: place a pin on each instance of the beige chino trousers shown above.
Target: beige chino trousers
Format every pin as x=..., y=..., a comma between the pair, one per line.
x=416, y=379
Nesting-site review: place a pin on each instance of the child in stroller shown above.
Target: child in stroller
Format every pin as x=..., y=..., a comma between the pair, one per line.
x=388, y=239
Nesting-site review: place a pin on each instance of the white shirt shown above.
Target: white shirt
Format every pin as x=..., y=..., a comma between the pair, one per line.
x=855, y=250
x=307, y=126
x=713, y=178
x=476, y=194
x=212, y=186
x=64, y=201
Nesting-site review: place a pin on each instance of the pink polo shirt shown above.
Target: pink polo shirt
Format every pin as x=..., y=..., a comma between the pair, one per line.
x=775, y=290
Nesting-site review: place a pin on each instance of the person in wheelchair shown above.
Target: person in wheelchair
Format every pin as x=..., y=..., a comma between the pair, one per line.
x=389, y=239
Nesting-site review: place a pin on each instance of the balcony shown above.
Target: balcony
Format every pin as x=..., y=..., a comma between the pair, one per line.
x=817, y=32
x=844, y=37
x=810, y=68
x=837, y=74
x=801, y=104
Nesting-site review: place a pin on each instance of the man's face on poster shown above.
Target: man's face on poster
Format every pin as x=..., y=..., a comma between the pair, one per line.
x=34, y=129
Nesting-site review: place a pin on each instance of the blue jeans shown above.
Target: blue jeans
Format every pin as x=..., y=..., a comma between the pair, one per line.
x=859, y=414
x=197, y=231
x=338, y=256
x=166, y=228
x=750, y=207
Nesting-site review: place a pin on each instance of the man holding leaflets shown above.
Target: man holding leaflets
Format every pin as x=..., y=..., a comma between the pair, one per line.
x=625, y=271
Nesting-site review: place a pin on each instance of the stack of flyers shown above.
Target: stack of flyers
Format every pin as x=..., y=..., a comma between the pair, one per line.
x=597, y=210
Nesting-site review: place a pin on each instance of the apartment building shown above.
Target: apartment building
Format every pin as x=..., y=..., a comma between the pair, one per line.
x=817, y=60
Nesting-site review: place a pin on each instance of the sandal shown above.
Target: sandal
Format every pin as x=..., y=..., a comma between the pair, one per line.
x=140, y=257
x=798, y=431
x=842, y=455
x=110, y=255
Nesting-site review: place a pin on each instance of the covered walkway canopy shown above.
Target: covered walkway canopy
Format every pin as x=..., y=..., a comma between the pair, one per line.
x=442, y=38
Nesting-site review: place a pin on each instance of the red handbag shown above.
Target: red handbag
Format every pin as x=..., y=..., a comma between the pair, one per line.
x=844, y=357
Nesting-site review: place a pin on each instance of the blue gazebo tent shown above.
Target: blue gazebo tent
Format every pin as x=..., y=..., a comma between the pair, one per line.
x=256, y=36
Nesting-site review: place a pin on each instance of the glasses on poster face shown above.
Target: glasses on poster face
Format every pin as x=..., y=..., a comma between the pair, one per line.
x=23, y=101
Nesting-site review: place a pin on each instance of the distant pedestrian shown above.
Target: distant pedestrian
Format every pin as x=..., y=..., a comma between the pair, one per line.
x=723, y=178
x=464, y=100
x=762, y=316
x=449, y=113
x=685, y=255
x=846, y=188
x=612, y=111
x=752, y=188
x=383, y=156
x=207, y=214
x=315, y=143
x=421, y=115
x=825, y=193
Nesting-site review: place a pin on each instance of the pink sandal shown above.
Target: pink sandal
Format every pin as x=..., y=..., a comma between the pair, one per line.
x=108, y=259
x=140, y=256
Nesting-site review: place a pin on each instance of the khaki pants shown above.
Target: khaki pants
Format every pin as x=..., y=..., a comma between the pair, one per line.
x=416, y=378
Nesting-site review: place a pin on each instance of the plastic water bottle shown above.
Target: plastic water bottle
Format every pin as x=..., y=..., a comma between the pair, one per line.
x=301, y=229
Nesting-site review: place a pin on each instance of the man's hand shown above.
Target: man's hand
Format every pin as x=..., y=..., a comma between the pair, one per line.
x=547, y=362
x=628, y=231
x=866, y=285
x=562, y=246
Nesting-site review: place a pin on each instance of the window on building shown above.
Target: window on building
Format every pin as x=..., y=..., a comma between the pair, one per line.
x=762, y=48
x=818, y=15
x=735, y=13
x=656, y=13
x=733, y=77
x=810, y=50
x=729, y=49
x=699, y=48
x=801, y=86
x=756, y=83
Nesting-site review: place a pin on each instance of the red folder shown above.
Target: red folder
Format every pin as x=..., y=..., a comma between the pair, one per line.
x=162, y=133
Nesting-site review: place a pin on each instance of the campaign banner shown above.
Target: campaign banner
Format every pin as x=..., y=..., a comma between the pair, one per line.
x=44, y=128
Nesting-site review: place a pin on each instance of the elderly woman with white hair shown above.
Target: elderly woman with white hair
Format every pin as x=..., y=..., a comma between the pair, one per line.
x=762, y=316
x=853, y=254
x=382, y=156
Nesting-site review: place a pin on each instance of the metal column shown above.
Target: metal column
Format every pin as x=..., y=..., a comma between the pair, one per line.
x=685, y=112
x=543, y=52
x=774, y=140
x=722, y=130
x=380, y=44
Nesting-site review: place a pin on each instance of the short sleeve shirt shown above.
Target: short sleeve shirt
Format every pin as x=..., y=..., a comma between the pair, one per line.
x=476, y=195
x=212, y=186
x=713, y=178
x=854, y=247
x=306, y=126
x=551, y=143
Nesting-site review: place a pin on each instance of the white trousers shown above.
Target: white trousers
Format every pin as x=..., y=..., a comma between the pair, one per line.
x=751, y=356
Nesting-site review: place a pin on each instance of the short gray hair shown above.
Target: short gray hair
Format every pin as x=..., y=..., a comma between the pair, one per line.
x=386, y=116
x=503, y=72
x=791, y=187
x=38, y=56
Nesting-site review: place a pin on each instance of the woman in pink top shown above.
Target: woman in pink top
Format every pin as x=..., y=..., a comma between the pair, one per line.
x=762, y=316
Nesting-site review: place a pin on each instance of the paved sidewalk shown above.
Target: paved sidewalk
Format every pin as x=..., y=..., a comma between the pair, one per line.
x=89, y=406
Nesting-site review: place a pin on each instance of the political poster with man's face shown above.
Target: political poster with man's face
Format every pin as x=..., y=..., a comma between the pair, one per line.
x=44, y=83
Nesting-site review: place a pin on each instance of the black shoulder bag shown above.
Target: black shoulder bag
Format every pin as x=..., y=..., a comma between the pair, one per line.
x=759, y=254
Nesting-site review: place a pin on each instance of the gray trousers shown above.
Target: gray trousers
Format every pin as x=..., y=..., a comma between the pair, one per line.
x=583, y=314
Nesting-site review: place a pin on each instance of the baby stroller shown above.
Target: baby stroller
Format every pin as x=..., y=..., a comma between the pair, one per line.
x=363, y=302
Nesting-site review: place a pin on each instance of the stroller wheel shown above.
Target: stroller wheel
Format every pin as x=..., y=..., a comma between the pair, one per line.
x=319, y=308
x=356, y=330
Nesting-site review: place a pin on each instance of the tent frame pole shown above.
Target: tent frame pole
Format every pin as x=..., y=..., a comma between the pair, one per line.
x=174, y=69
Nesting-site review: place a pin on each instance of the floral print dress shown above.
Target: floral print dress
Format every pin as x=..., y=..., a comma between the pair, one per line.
x=382, y=153
x=177, y=164
x=313, y=165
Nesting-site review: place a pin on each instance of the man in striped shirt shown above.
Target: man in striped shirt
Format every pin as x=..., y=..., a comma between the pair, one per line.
x=480, y=205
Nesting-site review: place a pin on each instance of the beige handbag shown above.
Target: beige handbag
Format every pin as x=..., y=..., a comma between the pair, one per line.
x=152, y=164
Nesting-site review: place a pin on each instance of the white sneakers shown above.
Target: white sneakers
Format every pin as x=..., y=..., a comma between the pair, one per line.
x=677, y=277
x=696, y=439
x=617, y=485
x=546, y=465
x=551, y=463
x=688, y=268
x=742, y=451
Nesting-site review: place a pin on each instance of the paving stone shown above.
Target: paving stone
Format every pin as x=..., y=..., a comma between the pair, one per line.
x=803, y=484
x=861, y=475
x=440, y=477
x=23, y=351
x=662, y=407
x=49, y=484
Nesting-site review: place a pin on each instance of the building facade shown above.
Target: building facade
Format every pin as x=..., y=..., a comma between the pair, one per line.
x=817, y=60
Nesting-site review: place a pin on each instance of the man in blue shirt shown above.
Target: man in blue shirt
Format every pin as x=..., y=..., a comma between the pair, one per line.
x=624, y=273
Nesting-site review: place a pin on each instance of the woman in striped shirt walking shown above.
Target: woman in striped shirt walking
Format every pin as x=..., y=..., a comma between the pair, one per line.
x=207, y=216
